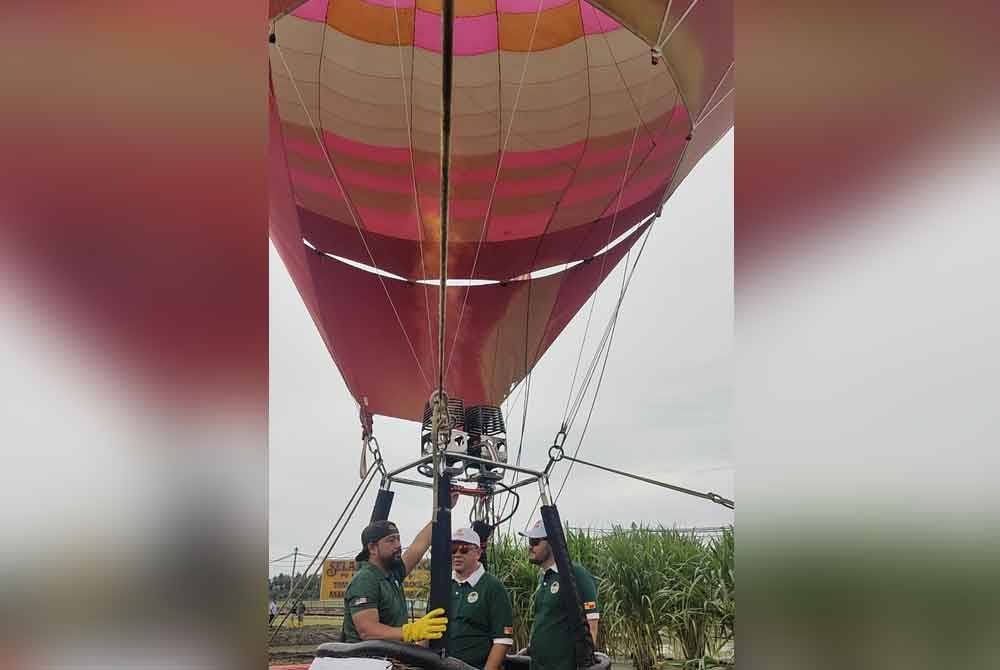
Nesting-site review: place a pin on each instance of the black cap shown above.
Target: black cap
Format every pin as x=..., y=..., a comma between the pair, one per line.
x=375, y=531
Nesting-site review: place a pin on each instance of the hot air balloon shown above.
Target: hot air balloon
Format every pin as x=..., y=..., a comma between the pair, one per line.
x=452, y=179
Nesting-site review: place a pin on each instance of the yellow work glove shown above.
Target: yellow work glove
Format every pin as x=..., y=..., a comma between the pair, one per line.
x=430, y=626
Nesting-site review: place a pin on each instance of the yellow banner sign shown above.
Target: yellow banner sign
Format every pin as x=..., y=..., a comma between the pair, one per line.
x=337, y=575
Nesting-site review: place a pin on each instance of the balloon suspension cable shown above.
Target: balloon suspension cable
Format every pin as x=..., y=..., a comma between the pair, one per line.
x=606, y=341
x=556, y=454
x=407, y=115
x=512, y=115
x=543, y=491
x=350, y=205
x=297, y=589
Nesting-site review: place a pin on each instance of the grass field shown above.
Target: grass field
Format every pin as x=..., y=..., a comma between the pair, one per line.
x=309, y=620
x=297, y=645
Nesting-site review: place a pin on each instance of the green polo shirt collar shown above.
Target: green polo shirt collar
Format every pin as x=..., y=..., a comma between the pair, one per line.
x=472, y=579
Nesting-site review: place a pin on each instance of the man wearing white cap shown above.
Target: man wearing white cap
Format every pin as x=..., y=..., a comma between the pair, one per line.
x=481, y=618
x=552, y=641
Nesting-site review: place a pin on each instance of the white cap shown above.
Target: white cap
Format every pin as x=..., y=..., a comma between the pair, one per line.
x=537, y=531
x=466, y=535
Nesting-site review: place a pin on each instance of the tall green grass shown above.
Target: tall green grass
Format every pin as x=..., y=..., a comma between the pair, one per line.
x=508, y=560
x=656, y=588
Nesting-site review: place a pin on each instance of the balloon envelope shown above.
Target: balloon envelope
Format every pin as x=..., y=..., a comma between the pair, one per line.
x=565, y=136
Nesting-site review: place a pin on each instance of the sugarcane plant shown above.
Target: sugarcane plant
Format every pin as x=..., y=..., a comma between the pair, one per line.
x=658, y=589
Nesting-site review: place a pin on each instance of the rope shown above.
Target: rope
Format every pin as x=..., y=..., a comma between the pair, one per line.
x=496, y=177
x=593, y=403
x=621, y=75
x=714, y=92
x=604, y=259
x=616, y=312
x=713, y=497
x=591, y=368
x=627, y=276
x=569, y=396
x=621, y=191
x=350, y=209
x=713, y=108
x=362, y=487
x=626, y=282
x=407, y=111
x=663, y=22
x=676, y=26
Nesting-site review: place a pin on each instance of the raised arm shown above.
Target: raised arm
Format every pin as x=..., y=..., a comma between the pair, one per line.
x=421, y=543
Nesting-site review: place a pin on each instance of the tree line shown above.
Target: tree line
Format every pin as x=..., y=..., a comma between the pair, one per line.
x=280, y=585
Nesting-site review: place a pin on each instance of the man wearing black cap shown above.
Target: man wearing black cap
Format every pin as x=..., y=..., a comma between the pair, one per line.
x=374, y=603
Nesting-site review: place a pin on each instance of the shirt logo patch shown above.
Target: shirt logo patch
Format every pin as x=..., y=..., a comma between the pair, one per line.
x=359, y=601
x=590, y=605
x=554, y=588
x=473, y=596
x=508, y=630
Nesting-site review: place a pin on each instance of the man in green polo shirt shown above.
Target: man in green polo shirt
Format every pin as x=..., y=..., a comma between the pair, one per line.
x=552, y=641
x=481, y=618
x=374, y=603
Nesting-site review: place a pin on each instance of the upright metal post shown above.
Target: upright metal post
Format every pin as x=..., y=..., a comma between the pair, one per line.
x=440, y=595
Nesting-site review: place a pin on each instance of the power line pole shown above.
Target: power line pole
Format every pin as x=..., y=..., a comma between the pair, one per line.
x=295, y=559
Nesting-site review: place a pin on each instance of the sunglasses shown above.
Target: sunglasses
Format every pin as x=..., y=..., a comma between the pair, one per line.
x=535, y=541
x=461, y=549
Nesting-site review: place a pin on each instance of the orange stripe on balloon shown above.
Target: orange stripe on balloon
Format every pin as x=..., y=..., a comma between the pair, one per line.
x=371, y=23
x=556, y=27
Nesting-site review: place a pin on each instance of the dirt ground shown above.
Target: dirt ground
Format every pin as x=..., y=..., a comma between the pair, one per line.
x=296, y=645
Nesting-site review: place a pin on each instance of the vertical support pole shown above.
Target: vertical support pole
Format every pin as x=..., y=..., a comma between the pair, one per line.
x=440, y=595
x=383, y=505
x=447, y=50
x=569, y=592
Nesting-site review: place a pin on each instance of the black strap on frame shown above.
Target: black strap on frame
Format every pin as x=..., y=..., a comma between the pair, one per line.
x=383, y=505
x=569, y=592
x=440, y=595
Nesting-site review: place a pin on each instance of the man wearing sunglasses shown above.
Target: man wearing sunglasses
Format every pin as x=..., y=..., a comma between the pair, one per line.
x=552, y=642
x=374, y=602
x=482, y=621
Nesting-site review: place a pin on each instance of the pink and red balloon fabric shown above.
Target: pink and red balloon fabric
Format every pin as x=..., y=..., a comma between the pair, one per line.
x=565, y=136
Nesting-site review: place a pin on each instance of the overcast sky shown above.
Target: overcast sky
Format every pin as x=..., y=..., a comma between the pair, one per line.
x=664, y=408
